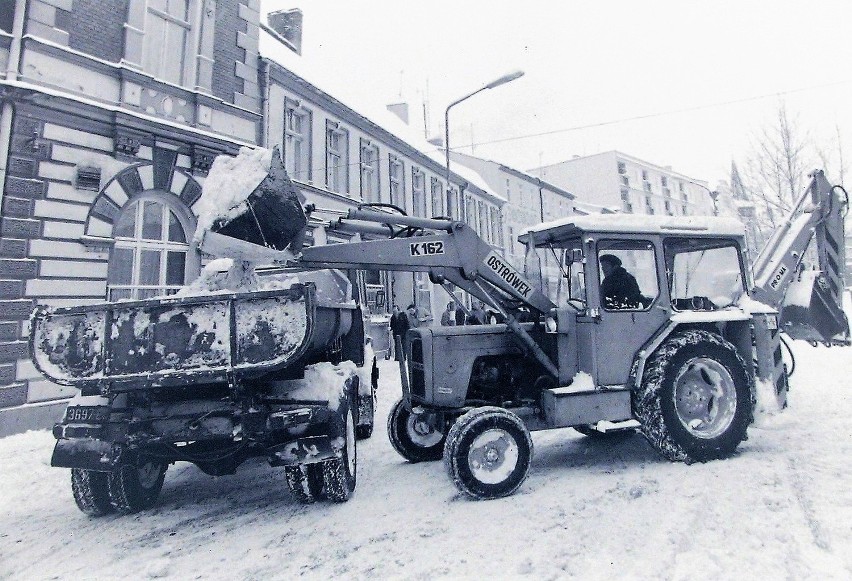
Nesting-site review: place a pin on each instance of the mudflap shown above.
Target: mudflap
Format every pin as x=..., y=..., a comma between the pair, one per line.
x=324, y=439
x=86, y=453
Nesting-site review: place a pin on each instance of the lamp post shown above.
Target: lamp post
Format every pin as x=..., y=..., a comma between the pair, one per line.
x=714, y=195
x=495, y=83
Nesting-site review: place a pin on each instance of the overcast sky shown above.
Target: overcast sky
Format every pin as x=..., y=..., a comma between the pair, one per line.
x=704, y=76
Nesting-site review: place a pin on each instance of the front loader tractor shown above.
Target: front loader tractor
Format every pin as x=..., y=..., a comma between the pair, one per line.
x=656, y=324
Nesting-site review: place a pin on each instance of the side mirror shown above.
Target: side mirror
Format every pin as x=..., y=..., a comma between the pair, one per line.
x=574, y=255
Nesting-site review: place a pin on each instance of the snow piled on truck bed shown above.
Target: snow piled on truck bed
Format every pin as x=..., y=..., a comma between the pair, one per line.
x=227, y=186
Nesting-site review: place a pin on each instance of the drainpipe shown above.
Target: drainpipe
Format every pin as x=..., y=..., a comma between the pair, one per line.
x=8, y=109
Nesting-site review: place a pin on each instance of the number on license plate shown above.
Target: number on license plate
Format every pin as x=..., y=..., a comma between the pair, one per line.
x=83, y=414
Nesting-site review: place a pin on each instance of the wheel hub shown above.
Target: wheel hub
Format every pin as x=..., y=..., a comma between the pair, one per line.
x=493, y=456
x=422, y=431
x=705, y=397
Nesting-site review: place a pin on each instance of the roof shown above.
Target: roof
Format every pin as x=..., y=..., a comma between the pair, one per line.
x=636, y=224
x=324, y=81
x=518, y=174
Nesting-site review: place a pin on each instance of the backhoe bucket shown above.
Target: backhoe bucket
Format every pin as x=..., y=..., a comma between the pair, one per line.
x=274, y=220
x=817, y=319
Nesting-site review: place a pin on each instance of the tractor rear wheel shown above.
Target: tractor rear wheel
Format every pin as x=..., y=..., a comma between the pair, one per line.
x=695, y=403
x=91, y=491
x=488, y=452
x=416, y=437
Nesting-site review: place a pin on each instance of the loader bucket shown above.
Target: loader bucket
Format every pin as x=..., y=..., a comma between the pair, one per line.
x=274, y=217
x=814, y=315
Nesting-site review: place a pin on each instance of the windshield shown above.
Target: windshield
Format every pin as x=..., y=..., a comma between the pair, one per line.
x=558, y=271
x=703, y=274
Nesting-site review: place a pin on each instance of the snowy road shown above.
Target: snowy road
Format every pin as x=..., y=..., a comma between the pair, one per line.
x=780, y=509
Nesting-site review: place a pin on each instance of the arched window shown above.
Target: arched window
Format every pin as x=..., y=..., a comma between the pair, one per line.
x=152, y=255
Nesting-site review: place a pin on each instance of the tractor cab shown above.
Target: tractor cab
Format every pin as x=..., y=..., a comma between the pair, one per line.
x=620, y=281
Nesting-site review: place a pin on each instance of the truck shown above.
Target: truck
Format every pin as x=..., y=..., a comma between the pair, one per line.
x=683, y=357
x=213, y=379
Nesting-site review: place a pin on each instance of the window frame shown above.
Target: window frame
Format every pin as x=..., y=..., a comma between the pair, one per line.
x=189, y=51
x=369, y=167
x=291, y=163
x=601, y=247
x=396, y=180
x=436, y=197
x=163, y=245
x=669, y=255
x=337, y=174
x=418, y=192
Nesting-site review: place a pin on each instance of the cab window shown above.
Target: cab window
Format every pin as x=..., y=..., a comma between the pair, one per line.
x=628, y=275
x=704, y=274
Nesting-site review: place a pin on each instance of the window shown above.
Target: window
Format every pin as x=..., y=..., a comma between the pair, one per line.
x=7, y=16
x=649, y=206
x=704, y=274
x=664, y=181
x=297, y=141
x=418, y=192
x=495, y=226
x=151, y=255
x=336, y=158
x=470, y=211
x=483, y=222
x=397, y=181
x=628, y=273
x=453, y=203
x=369, y=172
x=684, y=209
x=508, y=190
x=437, y=194
x=625, y=181
x=622, y=167
x=167, y=40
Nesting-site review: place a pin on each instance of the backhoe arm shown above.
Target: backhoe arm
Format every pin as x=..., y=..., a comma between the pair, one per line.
x=780, y=281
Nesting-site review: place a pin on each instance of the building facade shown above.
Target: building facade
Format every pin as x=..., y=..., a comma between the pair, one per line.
x=112, y=113
x=529, y=200
x=631, y=185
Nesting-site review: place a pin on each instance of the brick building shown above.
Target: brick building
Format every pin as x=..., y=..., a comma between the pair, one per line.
x=112, y=113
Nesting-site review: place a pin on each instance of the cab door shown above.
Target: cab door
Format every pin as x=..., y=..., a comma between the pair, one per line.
x=624, y=325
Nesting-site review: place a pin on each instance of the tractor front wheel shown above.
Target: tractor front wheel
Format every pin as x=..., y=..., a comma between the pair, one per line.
x=488, y=452
x=416, y=437
x=695, y=403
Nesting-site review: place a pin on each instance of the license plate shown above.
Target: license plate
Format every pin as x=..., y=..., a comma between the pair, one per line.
x=86, y=414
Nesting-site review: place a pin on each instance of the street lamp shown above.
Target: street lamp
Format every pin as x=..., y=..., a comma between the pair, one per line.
x=714, y=195
x=495, y=83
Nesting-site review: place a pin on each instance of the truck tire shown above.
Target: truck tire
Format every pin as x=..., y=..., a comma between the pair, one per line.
x=339, y=474
x=695, y=403
x=488, y=452
x=135, y=486
x=415, y=437
x=91, y=491
x=305, y=482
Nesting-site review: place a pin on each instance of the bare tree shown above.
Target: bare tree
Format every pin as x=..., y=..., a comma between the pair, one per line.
x=776, y=168
x=831, y=157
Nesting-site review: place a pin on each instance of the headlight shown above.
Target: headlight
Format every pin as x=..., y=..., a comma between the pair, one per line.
x=550, y=325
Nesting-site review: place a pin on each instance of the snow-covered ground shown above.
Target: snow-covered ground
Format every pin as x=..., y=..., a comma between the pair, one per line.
x=780, y=509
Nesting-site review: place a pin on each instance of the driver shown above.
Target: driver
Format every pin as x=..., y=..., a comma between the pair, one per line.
x=619, y=288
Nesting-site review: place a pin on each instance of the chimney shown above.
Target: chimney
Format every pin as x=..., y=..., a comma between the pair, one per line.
x=288, y=23
x=400, y=110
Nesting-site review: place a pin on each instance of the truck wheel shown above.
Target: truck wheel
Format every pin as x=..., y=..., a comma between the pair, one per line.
x=135, y=486
x=91, y=492
x=695, y=403
x=305, y=481
x=416, y=437
x=339, y=474
x=488, y=452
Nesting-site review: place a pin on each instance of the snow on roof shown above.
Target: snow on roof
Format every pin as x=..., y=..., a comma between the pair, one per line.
x=325, y=81
x=633, y=223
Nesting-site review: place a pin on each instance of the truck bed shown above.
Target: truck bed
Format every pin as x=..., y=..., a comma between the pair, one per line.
x=183, y=340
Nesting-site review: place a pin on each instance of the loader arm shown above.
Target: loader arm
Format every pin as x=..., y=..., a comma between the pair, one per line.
x=818, y=215
x=449, y=251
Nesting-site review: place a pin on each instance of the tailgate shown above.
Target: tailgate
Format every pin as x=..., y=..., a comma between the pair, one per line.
x=173, y=340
